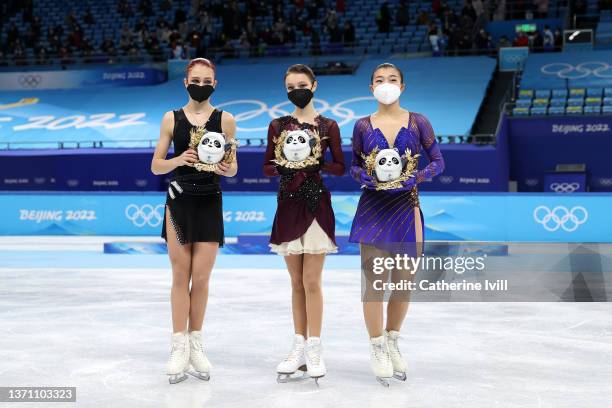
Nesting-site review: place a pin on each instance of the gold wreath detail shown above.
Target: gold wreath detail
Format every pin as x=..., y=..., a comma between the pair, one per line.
x=311, y=160
x=412, y=161
x=195, y=135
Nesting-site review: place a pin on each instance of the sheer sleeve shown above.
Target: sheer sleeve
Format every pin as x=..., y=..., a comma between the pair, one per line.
x=336, y=166
x=357, y=160
x=269, y=167
x=431, y=148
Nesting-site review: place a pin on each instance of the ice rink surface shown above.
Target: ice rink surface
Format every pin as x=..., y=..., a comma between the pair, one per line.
x=71, y=316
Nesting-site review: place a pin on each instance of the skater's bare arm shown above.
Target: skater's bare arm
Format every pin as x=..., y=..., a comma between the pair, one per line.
x=161, y=165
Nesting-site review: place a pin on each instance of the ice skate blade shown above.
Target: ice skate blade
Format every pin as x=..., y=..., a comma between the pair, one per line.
x=177, y=378
x=201, y=376
x=317, y=379
x=383, y=381
x=283, y=378
x=399, y=375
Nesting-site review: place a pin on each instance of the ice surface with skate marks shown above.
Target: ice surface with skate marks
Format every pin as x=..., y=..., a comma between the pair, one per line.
x=106, y=331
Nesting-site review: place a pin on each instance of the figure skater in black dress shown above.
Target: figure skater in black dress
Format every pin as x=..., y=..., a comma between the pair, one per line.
x=193, y=217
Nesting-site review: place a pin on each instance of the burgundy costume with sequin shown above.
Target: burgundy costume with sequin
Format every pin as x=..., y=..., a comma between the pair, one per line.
x=302, y=197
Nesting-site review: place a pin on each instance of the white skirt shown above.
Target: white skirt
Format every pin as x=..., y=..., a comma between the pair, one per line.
x=314, y=241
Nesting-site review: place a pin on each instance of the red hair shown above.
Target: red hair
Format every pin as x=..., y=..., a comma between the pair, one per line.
x=200, y=61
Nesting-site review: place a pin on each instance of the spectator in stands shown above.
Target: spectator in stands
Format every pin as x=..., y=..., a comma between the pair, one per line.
x=537, y=42
x=423, y=18
x=469, y=11
x=348, y=35
x=434, y=35
x=88, y=18
x=521, y=40
x=503, y=42
x=383, y=19
x=541, y=8
x=478, y=7
x=558, y=39
x=178, y=51
x=402, y=14
x=482, y=40
x=549, y=39
x=146, y=8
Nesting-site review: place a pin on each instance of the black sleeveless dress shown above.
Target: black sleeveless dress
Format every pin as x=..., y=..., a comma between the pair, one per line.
x=196, y=211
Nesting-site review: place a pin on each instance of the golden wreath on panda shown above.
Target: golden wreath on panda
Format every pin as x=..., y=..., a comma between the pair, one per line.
x=212, y=148
x=388, y=168
x=297, y=149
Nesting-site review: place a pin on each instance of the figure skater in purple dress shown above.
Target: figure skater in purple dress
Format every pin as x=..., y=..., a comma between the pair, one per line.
x=388, y=222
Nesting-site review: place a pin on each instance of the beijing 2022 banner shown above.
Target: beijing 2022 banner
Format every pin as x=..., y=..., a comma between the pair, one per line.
x=448, y=217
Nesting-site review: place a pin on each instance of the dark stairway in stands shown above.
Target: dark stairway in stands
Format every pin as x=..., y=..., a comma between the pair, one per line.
x=498, y=92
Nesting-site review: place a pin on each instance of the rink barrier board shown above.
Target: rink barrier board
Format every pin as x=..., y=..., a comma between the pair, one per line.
x=496, y=217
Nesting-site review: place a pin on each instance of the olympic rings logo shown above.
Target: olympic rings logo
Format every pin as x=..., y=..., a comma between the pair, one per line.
x=606, y=182
x=515, y=58
x=29, y=80
x=144, y=215
x=583, y=70
x=445, y=179
x=339, y=110
x=560, y=217
x=564, y=187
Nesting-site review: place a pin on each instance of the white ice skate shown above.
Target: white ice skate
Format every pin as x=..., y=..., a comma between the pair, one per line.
x=380, y=360
x=178, y=362
x=293, y=362
x=314, y=359
x=399, y=365
x=197, y=357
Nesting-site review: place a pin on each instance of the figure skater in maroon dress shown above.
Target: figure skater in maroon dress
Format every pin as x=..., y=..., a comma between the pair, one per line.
x=304, y=225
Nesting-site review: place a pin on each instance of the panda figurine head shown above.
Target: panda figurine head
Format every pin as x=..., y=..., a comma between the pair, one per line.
x=298, y=145
x=388, y=165
x=211, y=148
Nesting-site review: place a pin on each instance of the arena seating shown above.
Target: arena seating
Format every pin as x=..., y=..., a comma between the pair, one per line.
x=571, y=101
x=572, y=83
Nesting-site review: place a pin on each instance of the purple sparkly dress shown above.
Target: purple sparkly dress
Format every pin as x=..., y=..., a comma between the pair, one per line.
x=388, y=216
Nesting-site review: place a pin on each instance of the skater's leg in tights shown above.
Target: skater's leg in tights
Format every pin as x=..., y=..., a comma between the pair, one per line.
x=298, y=297
x=397, y=308
x=372, y=300
x=313, y=269
x=202, y=261
x=180, y=259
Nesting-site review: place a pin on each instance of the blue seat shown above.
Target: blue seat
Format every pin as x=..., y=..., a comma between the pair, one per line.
x=594, y=92
x=540, y=102
x=592, y=109
x=520, y=111
x=556, y=110
x=542, y=93
x=593, y=101
x=607, y=101
x=575, y=102
x=526, y=94
x=607, y=109
x=538, y=110
x=523, y=103
x=577, y=92
x=574, y=110
x=557, y=102
x=608, y=92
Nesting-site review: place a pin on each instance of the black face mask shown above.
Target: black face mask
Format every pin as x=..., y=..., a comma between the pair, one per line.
x=200, y=93
x=300, y=97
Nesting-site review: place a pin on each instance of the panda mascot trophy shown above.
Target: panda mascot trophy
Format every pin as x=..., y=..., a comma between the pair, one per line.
x=388, y=168
x=297, y=149
x=212, y=149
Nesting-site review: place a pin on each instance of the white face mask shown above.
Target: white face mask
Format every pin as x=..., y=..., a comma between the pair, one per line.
x=387, y=93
